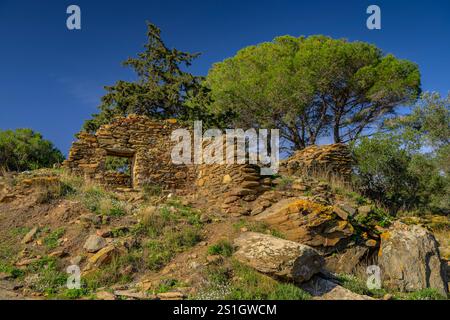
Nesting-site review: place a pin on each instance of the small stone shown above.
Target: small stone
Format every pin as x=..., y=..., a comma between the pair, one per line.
x=171, y=296
x=5, y=276
x=94, y=243
x=104, y=233
x=105, y=295
x=341, y=213
x=204, y=218
x=364, y=210
x=58, y=253
x=226, y=179
x=371, y=243
x=388, y=296
x=299, y=187
x=131, y=294
x=249, y=184
x=216, y=259
x=29, y=236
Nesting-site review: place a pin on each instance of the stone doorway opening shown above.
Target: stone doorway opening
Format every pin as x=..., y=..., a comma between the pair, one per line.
x=119, y=169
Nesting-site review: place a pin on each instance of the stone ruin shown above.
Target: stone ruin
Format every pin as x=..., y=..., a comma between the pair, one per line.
x=327, y=161
x=146, y=145
x=143, y=142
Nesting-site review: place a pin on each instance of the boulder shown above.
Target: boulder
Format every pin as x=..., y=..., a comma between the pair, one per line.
x=308, y=222
x=104, y=256
x=278, y=257
x=347, y=261
x=94, y=243
x=410, y=260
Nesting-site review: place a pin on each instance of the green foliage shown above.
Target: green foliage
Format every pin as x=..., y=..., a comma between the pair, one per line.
x=244, y=283
x=24, y=149
x=407, y=168
x=51, y=240
x=166, y=285
x=118, y=164
x=424, y=294
x=161, y=89
x=382, y=173
x=223, y=248
x=101, y=202
x=257, y=226
x=168, y=231
x=49, y=279
x=151, y=190
x=358, y=286
x=310, y=87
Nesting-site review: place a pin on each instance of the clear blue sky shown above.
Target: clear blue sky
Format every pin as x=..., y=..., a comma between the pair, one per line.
x=51, y=79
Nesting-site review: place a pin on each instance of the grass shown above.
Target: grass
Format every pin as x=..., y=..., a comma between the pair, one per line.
x=376, y=216
x=51, y=240
x=167, y=231
x=257, y=226
x=49, y=279
x=244, y=283
x=167, y=285
x=223, y=248
x=358, y=286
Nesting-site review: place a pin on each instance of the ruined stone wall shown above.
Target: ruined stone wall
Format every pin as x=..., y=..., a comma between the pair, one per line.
x=144, y=141
x=326, y=161
x=233, y=186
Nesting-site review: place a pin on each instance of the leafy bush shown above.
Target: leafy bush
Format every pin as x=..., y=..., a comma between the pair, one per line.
x=24, y=149
x=223, y=248
x=408, y=168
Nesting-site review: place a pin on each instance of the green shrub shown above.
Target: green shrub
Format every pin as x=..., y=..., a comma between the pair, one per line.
x=51, y=240
x=24, y=149
x=223, y=248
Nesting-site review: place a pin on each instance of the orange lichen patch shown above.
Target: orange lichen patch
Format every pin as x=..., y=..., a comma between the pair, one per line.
x=306, y=207
x=172, y=121
x=385, y=235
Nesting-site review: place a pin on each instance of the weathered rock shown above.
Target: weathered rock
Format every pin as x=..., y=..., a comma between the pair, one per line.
x=171, y=295
x=307, y=222
x=323, y=289
x=278, y=257
x=363, y=211
x=347, y=261
x=409, y=259
x=94, y=243
x=105, y=255
x=30, y=235
x=133, y=294
x=105, y=295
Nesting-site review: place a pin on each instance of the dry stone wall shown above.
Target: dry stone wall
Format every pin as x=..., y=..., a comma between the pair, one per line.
x=144, y=141
x=327, y=160
x=234, y=186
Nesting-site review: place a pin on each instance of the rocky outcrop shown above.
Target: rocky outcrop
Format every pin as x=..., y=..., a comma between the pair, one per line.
x=410, y=260
x=309, y=223
x=278, y=257
x=325, y=161
x=347, y=261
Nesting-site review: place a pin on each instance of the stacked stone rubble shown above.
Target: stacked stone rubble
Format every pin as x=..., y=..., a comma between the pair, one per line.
x=234, y=186
x=327, y=160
